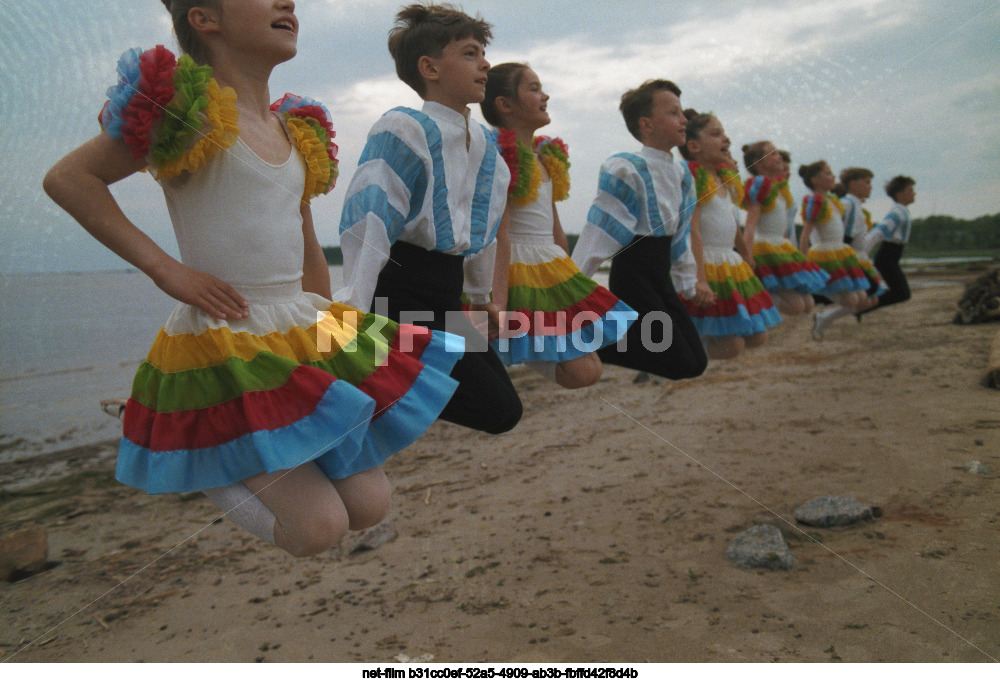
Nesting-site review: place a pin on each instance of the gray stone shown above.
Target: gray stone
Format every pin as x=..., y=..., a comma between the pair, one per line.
x=977, y=467
x=833, y=510
x=760, y=547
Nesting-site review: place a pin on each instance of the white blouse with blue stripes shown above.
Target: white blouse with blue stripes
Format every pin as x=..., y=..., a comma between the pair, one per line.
x=432, y=178
x=649, y=193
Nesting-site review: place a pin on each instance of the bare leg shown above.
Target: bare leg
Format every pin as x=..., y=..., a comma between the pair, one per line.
x=579, y=372
x=789, y=302
x=807, y=303
x=311, y=517
x=755, y=340
x=723, y=347
x=366, y=496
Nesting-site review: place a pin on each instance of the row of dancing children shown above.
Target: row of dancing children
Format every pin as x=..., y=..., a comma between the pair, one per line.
x=281, y=399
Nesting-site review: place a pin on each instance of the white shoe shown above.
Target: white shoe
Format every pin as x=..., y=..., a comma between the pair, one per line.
x=113, y=407
x=818, y=327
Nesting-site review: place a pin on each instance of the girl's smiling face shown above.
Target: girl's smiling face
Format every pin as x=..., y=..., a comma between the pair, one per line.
x=530, y=107
x=712, y=146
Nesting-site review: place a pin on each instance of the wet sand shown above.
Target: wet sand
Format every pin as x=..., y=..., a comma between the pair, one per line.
x=595, y=531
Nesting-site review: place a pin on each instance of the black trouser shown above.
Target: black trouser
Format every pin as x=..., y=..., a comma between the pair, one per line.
x=418, y=284
x=640, y=276
x=887, y=263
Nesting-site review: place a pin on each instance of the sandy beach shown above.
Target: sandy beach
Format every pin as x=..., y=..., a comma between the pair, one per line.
x=595, y=531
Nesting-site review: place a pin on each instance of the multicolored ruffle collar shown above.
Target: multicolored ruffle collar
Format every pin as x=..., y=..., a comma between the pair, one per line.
x=816, y=207
x=308, y=122
x=764, y=190
x=706, y=184
x=173, y=113
x=170, y=111
x=526, y=172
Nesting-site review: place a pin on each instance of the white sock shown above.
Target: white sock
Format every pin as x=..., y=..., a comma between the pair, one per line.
x=546, y=369
x=824, y=318
x=245, y=508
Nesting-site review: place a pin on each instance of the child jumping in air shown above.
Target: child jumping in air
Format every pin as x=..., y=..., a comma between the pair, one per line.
x=641, y=219
x=743, y=310
x=893, y=232
x=560, y=315
x=421, y=215
x=822, y=215
x=276, y=402
x=785, y=272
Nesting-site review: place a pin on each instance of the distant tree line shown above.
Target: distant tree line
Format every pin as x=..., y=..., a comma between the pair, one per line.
x=934, y=233
x=944, y=233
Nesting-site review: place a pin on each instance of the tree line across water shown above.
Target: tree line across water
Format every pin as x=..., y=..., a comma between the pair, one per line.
x=933, y=235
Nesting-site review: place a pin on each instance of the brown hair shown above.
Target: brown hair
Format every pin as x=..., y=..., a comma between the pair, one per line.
x=424, y=31
x=187, y=37
x=638, y=102
x=810, y=171
x=898, y=184
x=503, y=80
x=696, y=123
x=752, y=154
x=849, y=175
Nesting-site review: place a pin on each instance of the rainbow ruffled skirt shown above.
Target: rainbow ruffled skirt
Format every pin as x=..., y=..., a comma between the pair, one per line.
x=841, y=263
x=556, y=312
x=782, y=267
x=742, y=307
x=298, y=380
x=872, y=274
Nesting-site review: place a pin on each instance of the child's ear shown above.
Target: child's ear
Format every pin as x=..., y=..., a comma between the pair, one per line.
x=504, y=105
x=428, y=69
x=645, y=125
x=204, y=20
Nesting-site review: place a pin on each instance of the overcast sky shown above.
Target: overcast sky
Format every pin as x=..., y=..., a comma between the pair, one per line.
x=899, y=87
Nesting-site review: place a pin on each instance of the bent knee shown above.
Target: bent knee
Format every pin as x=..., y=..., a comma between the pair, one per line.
x=579, y=374
x=320, y=535
x=756, y=340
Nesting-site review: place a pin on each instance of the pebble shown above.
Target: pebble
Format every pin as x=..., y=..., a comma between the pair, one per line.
x=977, y=467
x=760, y=547
x=833, y=510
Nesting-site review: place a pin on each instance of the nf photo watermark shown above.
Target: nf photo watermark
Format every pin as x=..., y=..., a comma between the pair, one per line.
x=472, y=331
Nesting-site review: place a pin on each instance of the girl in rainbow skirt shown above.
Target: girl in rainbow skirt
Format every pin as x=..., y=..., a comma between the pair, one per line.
x=276, y=402
x=557, y=316
x=742, y=310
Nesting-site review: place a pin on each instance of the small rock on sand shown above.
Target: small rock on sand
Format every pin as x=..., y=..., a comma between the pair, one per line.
x=761, y=547
x=833, y=510
x=977, y=467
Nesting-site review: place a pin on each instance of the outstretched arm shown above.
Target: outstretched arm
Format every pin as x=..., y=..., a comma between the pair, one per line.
x=80, y=182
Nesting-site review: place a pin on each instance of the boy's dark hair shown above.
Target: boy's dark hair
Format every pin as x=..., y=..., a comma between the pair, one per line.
x=638, y=102
x=424, y=31
x=898, y=184
x=696, y=123
x=849, y=175
x=752, y=154
x=503, y=80
x=808, y=172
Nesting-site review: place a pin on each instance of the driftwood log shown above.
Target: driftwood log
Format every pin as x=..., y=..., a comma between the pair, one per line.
x=981, y=300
